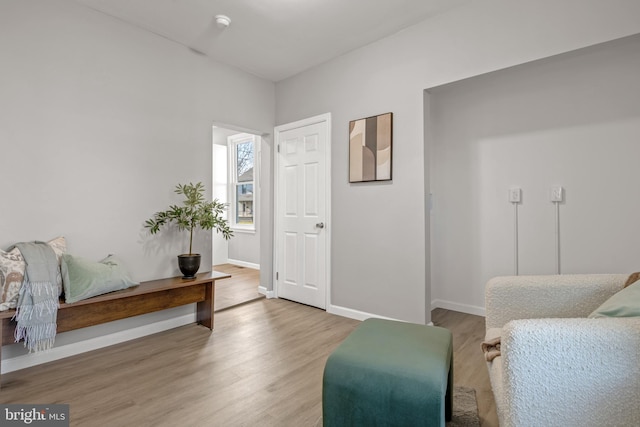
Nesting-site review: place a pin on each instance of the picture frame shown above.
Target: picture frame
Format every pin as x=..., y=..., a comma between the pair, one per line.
x=370, y=148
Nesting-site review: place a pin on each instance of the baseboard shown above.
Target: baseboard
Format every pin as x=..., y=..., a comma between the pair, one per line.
x=353, y=314
x=28, y=360
x=463, y=308
x=263, y=291
x=243, y=264
x=359, y=315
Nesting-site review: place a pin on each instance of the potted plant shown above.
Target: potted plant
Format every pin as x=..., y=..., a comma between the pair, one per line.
x=196, y=212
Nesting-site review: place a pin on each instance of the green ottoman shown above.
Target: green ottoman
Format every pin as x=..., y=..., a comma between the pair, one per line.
x=389, y=373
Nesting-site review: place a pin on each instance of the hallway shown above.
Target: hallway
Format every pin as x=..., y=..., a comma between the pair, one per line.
x=240, y=288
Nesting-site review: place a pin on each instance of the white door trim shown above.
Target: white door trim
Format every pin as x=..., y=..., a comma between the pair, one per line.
x=322, y=118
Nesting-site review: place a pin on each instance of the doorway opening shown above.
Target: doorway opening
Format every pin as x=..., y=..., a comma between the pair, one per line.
x=236, y=182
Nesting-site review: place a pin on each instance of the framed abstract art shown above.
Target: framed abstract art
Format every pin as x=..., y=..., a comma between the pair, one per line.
x=370, y=142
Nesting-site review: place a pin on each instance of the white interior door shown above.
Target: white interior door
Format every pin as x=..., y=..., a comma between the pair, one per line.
x=302, y=211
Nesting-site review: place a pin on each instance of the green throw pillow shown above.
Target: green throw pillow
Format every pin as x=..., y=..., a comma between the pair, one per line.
x=84, y=279
x=624, y=303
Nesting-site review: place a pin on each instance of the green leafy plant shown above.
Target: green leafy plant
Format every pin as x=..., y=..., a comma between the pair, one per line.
x=196, y=212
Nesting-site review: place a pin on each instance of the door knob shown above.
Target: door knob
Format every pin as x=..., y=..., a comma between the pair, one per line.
x=320, y=225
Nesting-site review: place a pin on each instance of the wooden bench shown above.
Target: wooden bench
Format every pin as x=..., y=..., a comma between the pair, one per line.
x=145, y=298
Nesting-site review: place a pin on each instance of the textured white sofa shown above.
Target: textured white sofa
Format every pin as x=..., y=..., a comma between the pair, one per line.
x=557, y=367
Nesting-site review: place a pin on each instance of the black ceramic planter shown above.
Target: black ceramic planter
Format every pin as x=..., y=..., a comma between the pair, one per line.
x=189, y=265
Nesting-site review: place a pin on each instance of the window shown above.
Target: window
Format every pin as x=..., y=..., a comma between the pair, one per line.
x=243, y=180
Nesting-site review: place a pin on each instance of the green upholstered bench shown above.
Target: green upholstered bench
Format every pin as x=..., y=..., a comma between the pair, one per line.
x=389, y=373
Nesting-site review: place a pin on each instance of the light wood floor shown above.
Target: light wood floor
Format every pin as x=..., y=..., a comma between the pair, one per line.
x=261, y=366
x=240, y=288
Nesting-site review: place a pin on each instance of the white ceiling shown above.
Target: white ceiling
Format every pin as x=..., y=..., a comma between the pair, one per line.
x=273, y=39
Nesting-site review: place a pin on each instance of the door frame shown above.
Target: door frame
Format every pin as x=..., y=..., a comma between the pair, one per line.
x=319, y=119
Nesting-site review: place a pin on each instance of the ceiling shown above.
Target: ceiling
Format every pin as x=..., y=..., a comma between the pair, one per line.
x=273, y=39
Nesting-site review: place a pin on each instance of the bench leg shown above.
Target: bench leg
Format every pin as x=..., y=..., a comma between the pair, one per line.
x=205, y=308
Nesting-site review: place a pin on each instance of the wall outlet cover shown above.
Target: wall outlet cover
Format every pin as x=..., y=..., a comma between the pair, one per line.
x=556, y=194
x=515, y=195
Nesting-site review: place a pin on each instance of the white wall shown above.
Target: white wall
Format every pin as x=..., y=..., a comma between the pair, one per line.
x=98, y=123
x=379, y=245
x=571, y=120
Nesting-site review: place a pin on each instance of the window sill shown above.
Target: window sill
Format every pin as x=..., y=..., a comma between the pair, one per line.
x=243, y=230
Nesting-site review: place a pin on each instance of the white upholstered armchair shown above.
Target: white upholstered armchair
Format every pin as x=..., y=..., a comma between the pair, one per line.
x=556, y=366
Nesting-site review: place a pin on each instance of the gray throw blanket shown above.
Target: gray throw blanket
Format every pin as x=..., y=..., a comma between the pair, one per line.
x=37, y=308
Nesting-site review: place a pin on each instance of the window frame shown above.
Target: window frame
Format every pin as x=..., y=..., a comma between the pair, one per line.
x=232, y=143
